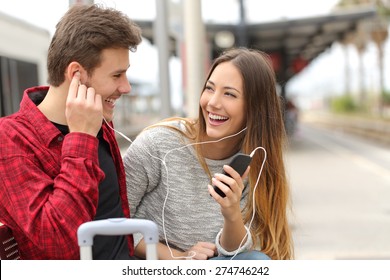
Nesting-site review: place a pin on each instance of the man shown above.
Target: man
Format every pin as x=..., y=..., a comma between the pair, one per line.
x=60, y=165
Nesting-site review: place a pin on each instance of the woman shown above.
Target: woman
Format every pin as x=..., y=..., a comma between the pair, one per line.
x=171, y=167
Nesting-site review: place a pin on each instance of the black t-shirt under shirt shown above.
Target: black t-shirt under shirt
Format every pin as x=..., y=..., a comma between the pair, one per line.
x=109, y=205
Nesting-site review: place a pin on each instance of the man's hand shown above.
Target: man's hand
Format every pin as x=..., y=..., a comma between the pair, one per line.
x=84, y=109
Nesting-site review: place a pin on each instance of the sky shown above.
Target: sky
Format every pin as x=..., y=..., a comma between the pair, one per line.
x=318, y=77
x=46, y=13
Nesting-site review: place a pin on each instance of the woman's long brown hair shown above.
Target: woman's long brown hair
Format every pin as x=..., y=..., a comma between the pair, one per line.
x=265, y=128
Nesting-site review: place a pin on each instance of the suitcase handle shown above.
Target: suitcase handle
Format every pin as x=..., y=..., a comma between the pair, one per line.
x=116, y=226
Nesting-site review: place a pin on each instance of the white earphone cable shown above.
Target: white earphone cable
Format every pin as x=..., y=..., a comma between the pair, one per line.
x=192, y=253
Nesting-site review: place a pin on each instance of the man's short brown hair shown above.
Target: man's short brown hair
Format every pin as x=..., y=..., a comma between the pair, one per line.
x=83, y=33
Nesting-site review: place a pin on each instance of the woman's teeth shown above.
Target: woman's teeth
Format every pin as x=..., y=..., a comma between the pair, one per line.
x=217, y=117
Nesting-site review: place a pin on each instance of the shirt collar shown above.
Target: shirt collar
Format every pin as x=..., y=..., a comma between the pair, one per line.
x=28, y=107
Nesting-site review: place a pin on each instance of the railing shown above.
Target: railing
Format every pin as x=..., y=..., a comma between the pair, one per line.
x=135, y=112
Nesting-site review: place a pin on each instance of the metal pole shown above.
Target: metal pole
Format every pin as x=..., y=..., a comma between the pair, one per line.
x=162, y=43
x=194, y=52
x=80, y=2
x=242, y=32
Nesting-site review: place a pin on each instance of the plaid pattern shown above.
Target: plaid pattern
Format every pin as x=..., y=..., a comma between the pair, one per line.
x=49, y=183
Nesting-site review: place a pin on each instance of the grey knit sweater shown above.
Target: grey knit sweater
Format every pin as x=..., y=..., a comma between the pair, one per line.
x=174, y=196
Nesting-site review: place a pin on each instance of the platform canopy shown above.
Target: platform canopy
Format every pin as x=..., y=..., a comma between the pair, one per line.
x=291, y=43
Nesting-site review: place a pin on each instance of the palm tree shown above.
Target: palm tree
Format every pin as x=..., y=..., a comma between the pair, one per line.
x=379, y=33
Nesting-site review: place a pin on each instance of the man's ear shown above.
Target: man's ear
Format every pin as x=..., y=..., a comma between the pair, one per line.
x=72, y=68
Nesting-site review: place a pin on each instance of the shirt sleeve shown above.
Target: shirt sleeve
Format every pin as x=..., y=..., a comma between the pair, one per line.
x=242, y=248
x=49, y=209
x=143, y=171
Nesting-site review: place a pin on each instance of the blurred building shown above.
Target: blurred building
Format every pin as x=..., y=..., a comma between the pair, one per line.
x=23, y=51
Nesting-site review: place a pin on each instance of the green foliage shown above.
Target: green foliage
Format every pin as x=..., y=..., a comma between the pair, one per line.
x=343, y=104
x=386, y=98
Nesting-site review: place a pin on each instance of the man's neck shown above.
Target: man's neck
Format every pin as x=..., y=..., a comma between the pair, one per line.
x=53, y=106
